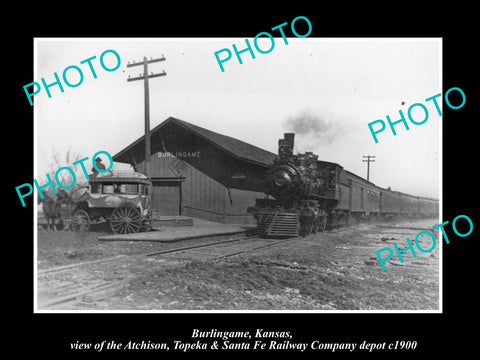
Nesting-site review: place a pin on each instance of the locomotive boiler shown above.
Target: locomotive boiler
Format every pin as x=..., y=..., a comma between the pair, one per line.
x=301, y=189
x=305, y=195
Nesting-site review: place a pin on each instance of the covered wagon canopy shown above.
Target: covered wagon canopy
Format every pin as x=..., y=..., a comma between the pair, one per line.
x=120, y=177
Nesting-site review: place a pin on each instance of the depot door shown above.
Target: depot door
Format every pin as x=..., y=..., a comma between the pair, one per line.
x=166, y=197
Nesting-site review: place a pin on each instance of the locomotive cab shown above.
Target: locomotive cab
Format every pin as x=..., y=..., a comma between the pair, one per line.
x=332, y=178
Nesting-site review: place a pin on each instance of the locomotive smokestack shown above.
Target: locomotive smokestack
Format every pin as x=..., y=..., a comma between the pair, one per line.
x=285, y=147
x=290, y=138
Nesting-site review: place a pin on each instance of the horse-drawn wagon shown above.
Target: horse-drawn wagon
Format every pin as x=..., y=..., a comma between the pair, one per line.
x=120, y=198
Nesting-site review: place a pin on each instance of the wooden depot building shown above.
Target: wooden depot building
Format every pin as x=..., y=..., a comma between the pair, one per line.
x=200, y=173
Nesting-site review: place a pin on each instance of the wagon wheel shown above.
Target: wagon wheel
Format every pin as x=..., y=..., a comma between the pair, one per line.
x=80, y=221
x=125, y=220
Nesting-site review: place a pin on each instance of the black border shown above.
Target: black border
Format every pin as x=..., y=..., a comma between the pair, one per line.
x=49, y=334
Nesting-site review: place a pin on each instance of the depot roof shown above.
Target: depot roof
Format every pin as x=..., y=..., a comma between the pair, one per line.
x=234, y=147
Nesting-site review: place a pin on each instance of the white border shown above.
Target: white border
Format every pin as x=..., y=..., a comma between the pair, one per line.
x=35, y=221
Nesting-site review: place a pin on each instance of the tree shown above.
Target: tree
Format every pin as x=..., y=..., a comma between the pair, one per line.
x=65, y=159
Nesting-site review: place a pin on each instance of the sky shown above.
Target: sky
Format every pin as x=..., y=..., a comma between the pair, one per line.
x=326, y=90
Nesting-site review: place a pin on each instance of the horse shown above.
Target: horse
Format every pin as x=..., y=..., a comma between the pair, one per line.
x=65, y=211
x=50, y=211
x=61, y=207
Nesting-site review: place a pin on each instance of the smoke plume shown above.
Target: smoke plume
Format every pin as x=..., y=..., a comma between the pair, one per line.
x=314, y=125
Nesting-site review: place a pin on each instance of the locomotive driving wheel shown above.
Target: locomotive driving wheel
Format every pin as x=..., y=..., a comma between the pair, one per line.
x=125, y=220
x=80, y=221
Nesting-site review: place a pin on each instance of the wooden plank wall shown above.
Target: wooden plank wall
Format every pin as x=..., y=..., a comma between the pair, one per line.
x=208, y=199
x=202, y=193
x=208, y=187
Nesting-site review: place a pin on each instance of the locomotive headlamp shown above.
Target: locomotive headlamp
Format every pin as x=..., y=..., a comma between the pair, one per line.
x=282, y=178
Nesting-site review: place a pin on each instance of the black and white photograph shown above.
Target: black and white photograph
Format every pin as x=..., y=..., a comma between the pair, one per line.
x=288, y=182
x=293, y=180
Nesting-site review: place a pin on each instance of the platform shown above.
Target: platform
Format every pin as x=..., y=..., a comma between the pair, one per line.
x=200, y=229
x=162, y=221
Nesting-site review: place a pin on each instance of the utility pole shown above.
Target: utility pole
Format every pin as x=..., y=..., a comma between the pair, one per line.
x=145, y=78
x=370, y=159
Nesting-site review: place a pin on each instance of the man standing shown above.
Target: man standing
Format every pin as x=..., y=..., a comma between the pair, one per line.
x=99, y=165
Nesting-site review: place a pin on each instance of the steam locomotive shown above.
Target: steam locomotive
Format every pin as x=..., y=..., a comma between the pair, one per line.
x=310, y=195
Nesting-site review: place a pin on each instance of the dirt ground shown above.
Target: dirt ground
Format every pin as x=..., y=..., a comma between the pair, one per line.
x=337, y=270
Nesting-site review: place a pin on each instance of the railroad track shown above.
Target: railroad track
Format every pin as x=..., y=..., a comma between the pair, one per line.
x=65, y=286
x=222, y=249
